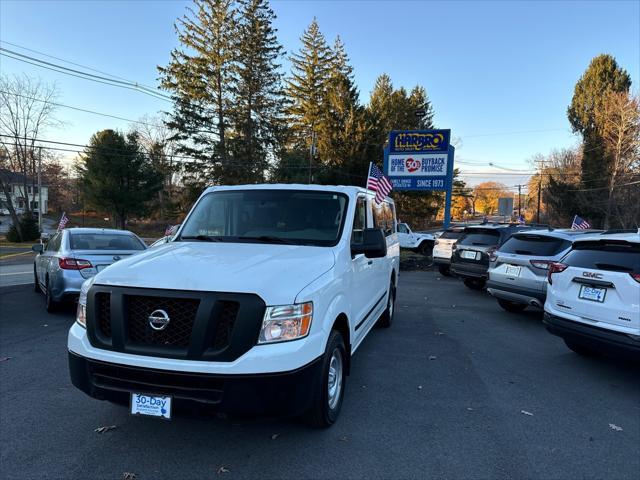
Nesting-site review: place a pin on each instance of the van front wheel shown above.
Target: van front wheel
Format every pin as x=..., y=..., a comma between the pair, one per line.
x=328, y=402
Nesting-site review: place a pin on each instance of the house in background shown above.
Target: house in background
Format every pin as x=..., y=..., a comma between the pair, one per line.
x=19, y=198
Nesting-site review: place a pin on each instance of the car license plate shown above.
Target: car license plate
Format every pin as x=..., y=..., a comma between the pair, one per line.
x=594, y=294
x=151, y=405
x=469, y=254
x=513, y=271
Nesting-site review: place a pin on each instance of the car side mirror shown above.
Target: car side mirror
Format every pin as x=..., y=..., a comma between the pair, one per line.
x=38, y=248
x=373, y=245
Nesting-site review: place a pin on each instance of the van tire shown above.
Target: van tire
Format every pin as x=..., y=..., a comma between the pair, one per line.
x=386, y=319
x=581, y=349
x=325, y=409
x=512, y=307
x=474, y=284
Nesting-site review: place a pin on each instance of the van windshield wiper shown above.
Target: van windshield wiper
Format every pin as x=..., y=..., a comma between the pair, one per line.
x=202, y=238
x=267, y=239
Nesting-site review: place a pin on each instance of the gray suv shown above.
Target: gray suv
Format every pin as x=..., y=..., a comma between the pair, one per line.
x=519, y=268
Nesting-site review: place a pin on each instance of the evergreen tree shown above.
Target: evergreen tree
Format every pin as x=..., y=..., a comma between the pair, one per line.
x=602, y=77
x=258, y=95
x=200, y=79
x=115, y=176
x=306, y=88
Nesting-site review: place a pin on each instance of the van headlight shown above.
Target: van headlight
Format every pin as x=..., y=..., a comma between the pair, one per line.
x=286, y=322
x=81, y=314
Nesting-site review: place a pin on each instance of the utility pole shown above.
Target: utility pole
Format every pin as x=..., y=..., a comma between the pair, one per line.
x=519, y=201
x=40, y=189
x=539, y=196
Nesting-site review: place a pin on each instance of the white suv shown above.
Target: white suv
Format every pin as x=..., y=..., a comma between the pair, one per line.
x=255, y=306
x=418, y=242
x=593, y=296
x=443, y=248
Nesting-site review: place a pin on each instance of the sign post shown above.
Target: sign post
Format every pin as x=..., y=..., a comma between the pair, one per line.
x=421, y=160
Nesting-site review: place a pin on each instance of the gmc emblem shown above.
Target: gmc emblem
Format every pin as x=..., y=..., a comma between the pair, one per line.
x=592, y=275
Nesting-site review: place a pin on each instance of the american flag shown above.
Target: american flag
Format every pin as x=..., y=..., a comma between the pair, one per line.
x=63, y=221
x=580, y=223
x=377, y=182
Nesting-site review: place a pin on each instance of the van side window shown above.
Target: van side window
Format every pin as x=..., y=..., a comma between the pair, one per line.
x=54, y=243
x=359, y=221
x=383, y=218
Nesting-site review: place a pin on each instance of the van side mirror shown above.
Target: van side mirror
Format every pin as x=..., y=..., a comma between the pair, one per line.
x=373, y=245
x=38, y=248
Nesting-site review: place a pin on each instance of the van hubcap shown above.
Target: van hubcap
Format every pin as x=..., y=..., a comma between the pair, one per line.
x=334, y=383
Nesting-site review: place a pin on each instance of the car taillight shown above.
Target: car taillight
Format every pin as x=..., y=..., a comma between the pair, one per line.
x=635, y=276
x=73, y=263
x=543, y=264
x=436, y=242
x=454, y=247
x=555, y=268
x=492, y=254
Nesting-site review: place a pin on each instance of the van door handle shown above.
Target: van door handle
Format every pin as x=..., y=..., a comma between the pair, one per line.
x=370, y=262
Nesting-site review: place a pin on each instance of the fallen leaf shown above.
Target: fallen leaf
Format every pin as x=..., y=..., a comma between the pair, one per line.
x=615, y=427
x=45, y=325
x=223, y=470
x=4, y=359
x=129, y=476
x=432, y=357
x=344, y=439
x=524, y=412
x=274, y=436
x=439, y=333
x=104, y=429
x=364, y=386
x=470, y=409
x=453, y=306
x=419, y=387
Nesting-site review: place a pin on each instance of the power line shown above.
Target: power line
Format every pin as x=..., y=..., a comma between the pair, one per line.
x=73, y=63
x=81, y=109
x=83, y=75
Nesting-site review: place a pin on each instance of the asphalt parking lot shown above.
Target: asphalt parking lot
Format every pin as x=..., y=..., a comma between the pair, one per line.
x=457, y=388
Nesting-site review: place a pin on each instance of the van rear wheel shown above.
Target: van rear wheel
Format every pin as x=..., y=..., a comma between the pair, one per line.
x=328, y=402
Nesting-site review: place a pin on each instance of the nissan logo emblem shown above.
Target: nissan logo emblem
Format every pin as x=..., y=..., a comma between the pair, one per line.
x=158, y=320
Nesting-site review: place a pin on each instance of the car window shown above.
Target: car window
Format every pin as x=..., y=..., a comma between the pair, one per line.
x=54, y=244
x=450, y=235
x=480, y=237
x=104, y=241
x=383, y=217
x=541, y=245
x=359, y=221
x=603, y=255
x=301, y=217
x=402, y=228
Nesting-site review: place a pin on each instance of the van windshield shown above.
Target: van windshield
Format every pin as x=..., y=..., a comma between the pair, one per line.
x=298, y=217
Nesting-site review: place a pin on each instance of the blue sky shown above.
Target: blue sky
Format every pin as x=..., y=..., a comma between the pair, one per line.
x=490, y=68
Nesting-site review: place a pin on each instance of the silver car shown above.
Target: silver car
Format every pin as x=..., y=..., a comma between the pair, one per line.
x=518, y=269
x=76, y=254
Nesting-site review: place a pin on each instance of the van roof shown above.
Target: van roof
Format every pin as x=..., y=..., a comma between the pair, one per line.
x=346, y=189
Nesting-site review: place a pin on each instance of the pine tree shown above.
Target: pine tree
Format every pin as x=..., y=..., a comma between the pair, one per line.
x=306, y=88
x=200, y=78
x=258, y=94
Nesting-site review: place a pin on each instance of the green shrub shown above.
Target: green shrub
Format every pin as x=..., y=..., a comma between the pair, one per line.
x=29, y=227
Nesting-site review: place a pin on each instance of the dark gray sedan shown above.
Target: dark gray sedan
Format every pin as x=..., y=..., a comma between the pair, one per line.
x=76, y=254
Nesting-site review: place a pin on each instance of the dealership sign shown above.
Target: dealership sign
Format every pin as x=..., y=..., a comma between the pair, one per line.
x=419, y=160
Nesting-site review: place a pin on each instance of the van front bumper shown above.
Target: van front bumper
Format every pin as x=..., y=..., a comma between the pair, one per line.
x=596, y=337
x=272, y=394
